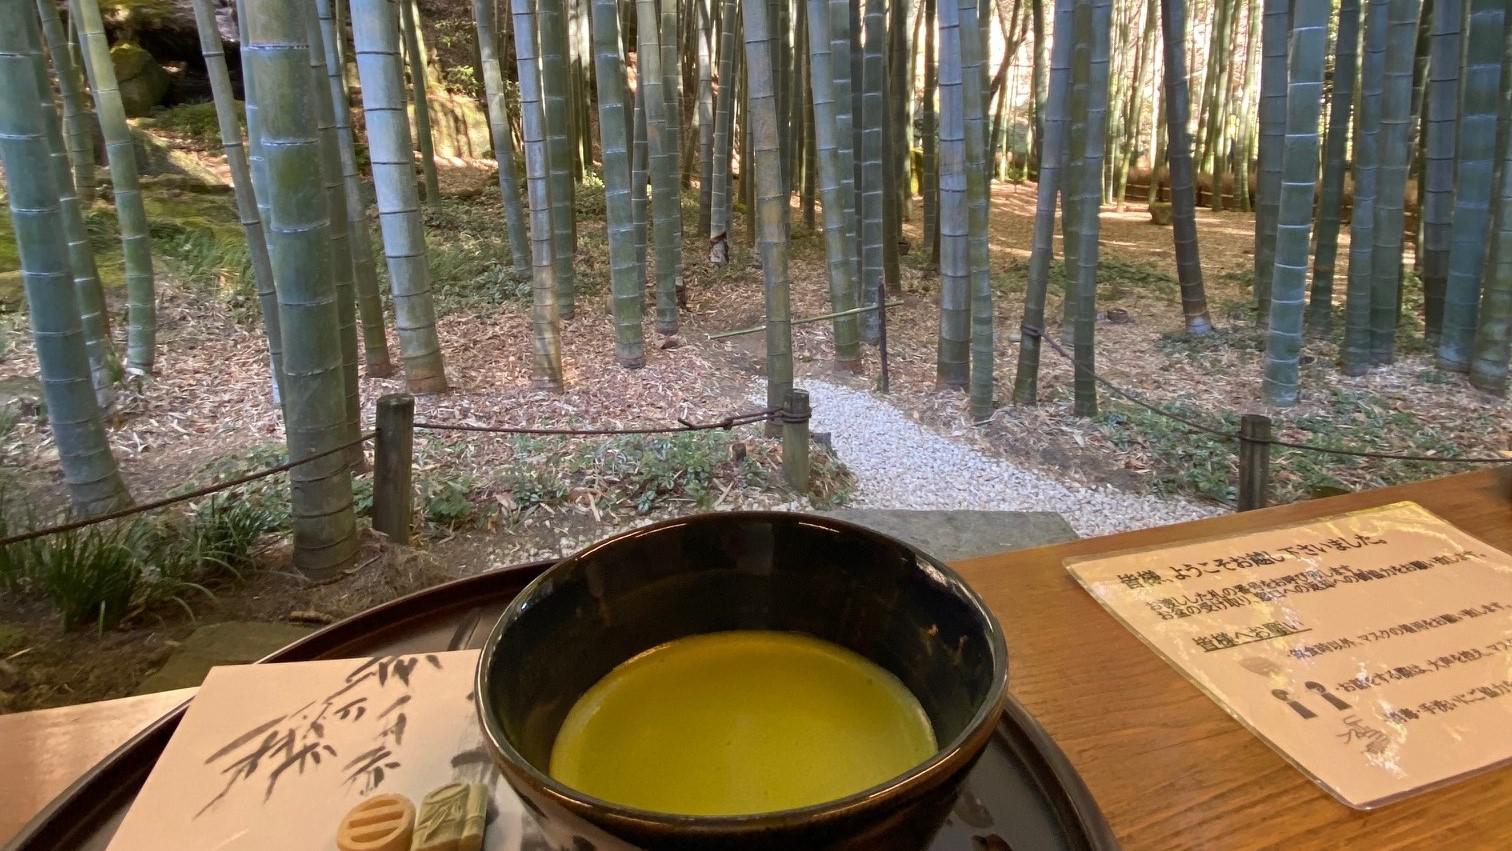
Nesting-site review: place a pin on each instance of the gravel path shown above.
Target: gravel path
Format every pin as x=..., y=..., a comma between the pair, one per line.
x=901, y=464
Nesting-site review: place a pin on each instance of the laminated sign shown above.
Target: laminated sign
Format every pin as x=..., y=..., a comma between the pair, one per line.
x=1372, y=649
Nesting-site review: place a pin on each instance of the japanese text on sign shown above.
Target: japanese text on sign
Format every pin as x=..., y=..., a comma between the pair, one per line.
x=1370, y=649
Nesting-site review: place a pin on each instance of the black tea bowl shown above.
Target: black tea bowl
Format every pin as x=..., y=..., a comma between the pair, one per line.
x=709, y=573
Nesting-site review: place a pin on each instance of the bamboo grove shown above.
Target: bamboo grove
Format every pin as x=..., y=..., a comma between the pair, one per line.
x=858, y=116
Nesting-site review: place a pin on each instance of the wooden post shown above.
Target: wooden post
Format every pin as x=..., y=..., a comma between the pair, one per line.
x=1254, y=461
x=393, y=457
x=795, y=440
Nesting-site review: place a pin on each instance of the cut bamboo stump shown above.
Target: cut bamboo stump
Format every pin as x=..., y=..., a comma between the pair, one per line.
x=393, y=474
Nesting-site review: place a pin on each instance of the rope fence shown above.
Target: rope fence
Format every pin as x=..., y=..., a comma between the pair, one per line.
x=1254, y=436
x=394, y=452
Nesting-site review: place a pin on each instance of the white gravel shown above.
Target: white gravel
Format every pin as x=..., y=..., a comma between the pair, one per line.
x=901, y=464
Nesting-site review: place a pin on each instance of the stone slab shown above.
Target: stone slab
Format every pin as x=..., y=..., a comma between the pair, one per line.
x=956, y=535
x=229, y=643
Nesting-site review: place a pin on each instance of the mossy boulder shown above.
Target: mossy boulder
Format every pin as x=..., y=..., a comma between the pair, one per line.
x=1160, y=213
x=142, y=81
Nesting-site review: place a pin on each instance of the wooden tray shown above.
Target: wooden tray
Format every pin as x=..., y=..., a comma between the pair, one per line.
x=1022, y=795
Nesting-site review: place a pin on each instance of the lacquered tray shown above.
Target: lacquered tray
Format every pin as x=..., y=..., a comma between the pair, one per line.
x=1022, y=795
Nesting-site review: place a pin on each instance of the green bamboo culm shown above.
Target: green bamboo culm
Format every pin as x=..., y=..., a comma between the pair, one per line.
x=1346, y=58
x=843, y=295
x=77, y=121
x=1274, y=29
x=1437, y=176
x=671, y=69
x=486, y=18
x=873, y=90
x=315, y=402
x=974, y=98
x=256, y=164
x=1474, y=184
x=1354, y=355
x=626, y=278
x=545, y=317
x=364, y=268
x=410, y=21
x=1089, y=106
x=952, y=366
x=662, y=161
x=375, y=34
x=1299, y=173
x=136, y=243
x=1395, y=155
x=929, y=131
x=1052, y=150
x=724, y=126
x=847, y=126
x=241, y=186
x=771, y=215
x=104, y=368
x=640, y=150
x=1492, y=347
x=341, y=252
x=894, y=100
x=1183, y=184
x=551, y=29
x=33, y=178
x=704, y=11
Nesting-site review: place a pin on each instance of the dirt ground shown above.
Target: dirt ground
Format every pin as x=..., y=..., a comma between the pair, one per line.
x=210, y=400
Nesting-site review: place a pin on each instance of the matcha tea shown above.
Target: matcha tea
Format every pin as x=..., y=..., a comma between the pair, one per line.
x=732, y=723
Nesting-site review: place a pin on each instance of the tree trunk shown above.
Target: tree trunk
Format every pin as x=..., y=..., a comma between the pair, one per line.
x=1179, y=159
x=873, y=188
x=1394, y=139
x=359, y=241
x=1245, y=135
x=663, y=160
x=136, y=242
x=1089, y=107
x=33, y=177
x=706, y=127
x=559, y=151
x=1346, y=51
x=952, y=367
x=724, y=123
x=325, y=539
x=893, y=119
x=1492, y=346
x=1355, y=353
x=1437, y=178
x=545, y=314
x=241, y=185
x=1136, y=105
x=1481, y=82
x=1053, y=144
x=1299, y=176
x=77, y=119
x=626, y=281
x=1037, y=97
x=375, y=32
x=336, y=229
x=1275, y=24
x=972, y=95
x=639, y=163
x=826, y=130
x=772, y=203
x=410, y=21
x=847, y=127
x=75, y=132
x=930, y=179
x=485, y=18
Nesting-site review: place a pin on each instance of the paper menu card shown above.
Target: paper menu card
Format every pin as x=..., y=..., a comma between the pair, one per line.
x=272, y=756
x=1372, y=649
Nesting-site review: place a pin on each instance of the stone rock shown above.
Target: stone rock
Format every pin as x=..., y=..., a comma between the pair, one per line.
x=956, y=535
x=142, y=81
x=21, y=396
x=230, y=643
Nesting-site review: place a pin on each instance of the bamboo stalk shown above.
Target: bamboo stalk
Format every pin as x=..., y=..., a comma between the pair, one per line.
x=627, y=282
x=136, y=243
x=32, y=180
x=662, y=157
x=545, y=317
x=77, y=120
x=952, y=365
x=410, y=26
x=485, y=18
x=325, y=538
x=559, y=150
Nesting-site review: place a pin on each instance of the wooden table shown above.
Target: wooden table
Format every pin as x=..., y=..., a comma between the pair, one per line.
x=1169, y=768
